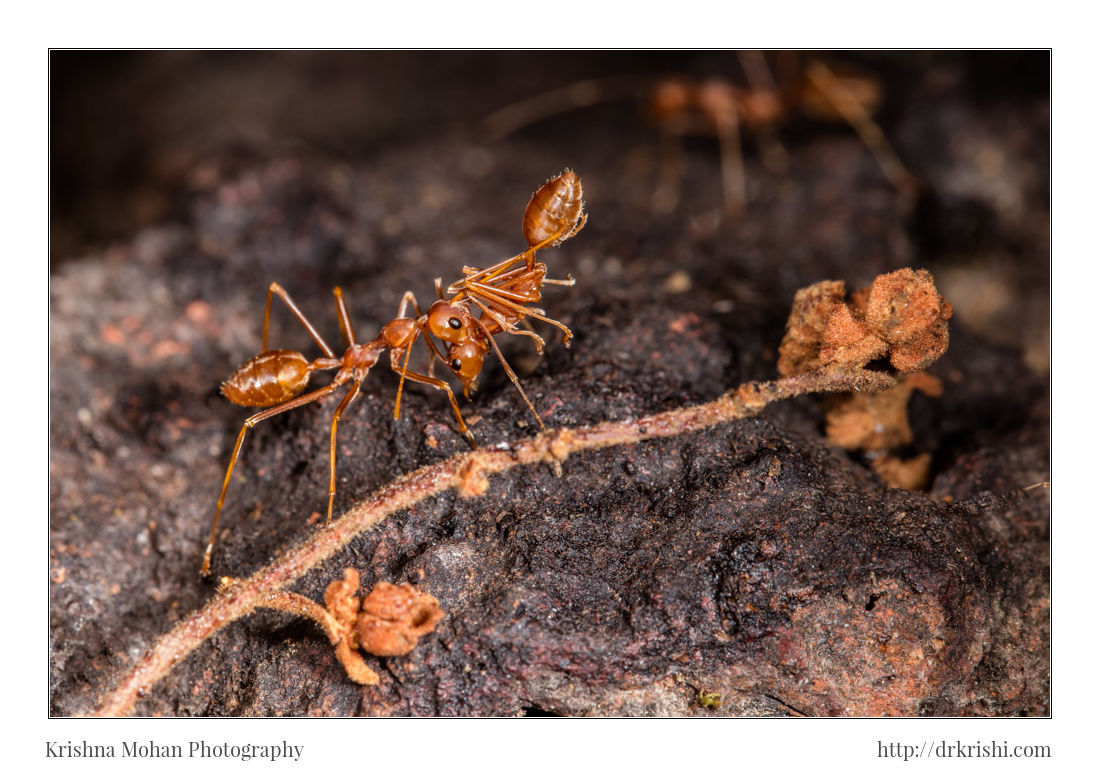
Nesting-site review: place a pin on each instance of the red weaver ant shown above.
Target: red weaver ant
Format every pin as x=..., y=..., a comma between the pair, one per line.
x=504, y=294
x=719, y=107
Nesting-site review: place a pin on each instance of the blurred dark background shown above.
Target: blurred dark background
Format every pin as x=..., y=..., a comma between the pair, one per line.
x=128, y=128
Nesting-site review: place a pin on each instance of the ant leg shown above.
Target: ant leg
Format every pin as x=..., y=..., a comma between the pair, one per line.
x=757, y=71
x=497, y=270
x=558, y=237
x=278, y=290
x=406, y=298
x=305, y=399
x=667, y=194
x=404, y=371
x=332, y=447
x=733, y=168
x=512, y=375
x=443, y=386
x=510, y=329
x=759, y=75
x=846, y=104
x=529, y=331
x=504, y=268
x=490, y=294
x=581, y=94
x=342, y=316
x=500, y=269
x=433, y=354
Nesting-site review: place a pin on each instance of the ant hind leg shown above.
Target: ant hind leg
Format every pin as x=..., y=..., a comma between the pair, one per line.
x=305, y=399
x=280, y=292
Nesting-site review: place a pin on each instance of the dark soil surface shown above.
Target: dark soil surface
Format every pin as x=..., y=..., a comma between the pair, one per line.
x=755, y=561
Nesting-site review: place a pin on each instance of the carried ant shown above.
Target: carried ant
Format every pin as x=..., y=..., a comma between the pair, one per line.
x=503, y=294
x=720, y=108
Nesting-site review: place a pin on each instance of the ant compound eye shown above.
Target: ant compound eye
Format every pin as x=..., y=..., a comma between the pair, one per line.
x=456, y=365
x=448, y=322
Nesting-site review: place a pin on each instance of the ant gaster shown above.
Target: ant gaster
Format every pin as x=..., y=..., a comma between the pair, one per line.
x=502, y=293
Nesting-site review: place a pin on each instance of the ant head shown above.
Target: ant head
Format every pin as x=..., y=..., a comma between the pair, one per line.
x=465, y=360
x=450, y=323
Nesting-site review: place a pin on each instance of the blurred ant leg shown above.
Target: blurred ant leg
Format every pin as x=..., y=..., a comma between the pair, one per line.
x=667, y=194
x=534, y=109
x=490, y=293
x=332, y=447
x=346, y=329
x=756, y=70
x=733, y=168
x=788, y=70
x=568, y=280
x=860, y=120
x=442, y=385
x=275, y=288
x=439, y=288
x=512, y=375
x=305, y=399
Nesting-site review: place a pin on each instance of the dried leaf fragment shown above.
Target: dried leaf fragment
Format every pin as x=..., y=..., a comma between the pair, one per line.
x=395, y=617
x=905, y=310
x=846, y=340
x=910, y=474
x=901, y=316
x=386, y=622
x=875, y=421
x=800, y=350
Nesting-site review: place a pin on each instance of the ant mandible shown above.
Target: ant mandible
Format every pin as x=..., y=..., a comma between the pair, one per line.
x=503, y=294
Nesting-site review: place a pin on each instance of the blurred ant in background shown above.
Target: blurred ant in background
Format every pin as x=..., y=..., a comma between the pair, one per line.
x=719, y=107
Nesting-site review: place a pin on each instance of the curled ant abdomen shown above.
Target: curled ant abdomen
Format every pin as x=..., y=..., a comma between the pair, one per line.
x=556, y=211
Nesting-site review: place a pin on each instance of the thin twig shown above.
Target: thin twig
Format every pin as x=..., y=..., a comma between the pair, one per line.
x=467, y=473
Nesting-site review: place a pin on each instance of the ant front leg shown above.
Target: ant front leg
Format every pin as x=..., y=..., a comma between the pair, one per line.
x=280, y=292
x=494, y=296
x=511, y=374
x=442, y=386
